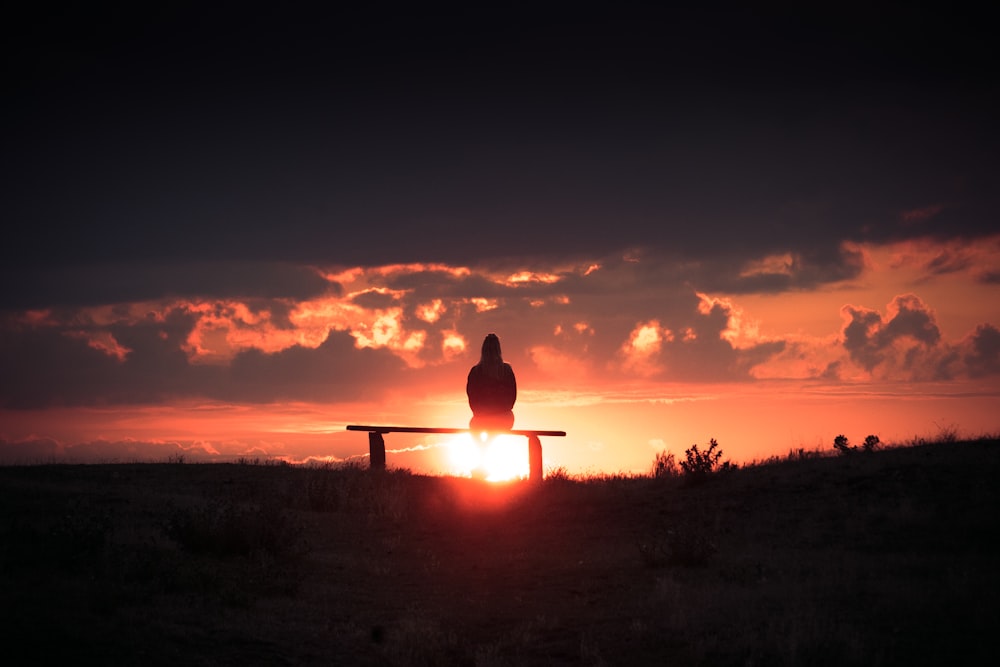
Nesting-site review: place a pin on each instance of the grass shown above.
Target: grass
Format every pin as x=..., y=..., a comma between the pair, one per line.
x=878, y=558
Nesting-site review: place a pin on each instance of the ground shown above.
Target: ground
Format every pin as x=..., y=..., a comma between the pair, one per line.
x=872, y=558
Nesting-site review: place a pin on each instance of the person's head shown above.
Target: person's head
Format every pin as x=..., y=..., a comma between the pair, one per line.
x=491, y=350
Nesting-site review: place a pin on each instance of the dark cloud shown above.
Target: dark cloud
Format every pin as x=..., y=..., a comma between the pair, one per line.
x=59, y=366
x=908, y=344
x=708, y=356
x=30, y=451
x=989, y=277
x=48, y=366
x=948, y=262
x=798, y=271
x=339, y=136
x=911, y=318
x=860, y=337
x=128, y=280
x=336, y=370
x=374, y=299
x=983, y=351
x=869, y=339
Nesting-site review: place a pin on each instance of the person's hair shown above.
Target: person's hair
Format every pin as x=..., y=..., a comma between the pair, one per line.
x=491, y=359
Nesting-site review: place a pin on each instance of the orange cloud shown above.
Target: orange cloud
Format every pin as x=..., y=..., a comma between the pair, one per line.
x=431, y=312
x=771, y=265
x=453, y=344
x=742, y=332
x=482, y=304
x=525, y=277
x=102, y=341
x=639, y=351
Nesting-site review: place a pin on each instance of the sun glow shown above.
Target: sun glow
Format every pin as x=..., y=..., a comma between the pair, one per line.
x=496, y=458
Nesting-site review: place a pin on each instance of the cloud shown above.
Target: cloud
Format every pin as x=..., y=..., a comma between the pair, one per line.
x=704, y=343
x=989, y=277
x=29, y=451
x=642, y=315
x=336, y=370
x=58, y=365
x=948, y=262
x=907, y=344
x=84, y=283
x=33, y=451
x=982, y=351
x=341, y=142
x=870, y=340
x=786, y=271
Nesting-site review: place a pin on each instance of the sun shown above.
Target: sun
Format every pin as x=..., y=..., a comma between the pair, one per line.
x=496, y=458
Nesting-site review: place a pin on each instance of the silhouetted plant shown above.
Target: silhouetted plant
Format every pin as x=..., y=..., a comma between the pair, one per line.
x=699, y=465
x=558, y=474
x=948, y=434
x=665, y=465
x=842, y=444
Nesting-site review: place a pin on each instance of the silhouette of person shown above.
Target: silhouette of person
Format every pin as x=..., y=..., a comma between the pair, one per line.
x=492, y=389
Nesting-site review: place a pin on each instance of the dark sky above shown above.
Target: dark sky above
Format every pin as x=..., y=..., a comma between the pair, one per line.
x=138, y=139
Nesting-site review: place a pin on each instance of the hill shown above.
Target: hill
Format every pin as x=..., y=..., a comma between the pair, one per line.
x=877, y=558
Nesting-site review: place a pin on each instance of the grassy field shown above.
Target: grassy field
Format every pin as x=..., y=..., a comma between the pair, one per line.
x=873, y=558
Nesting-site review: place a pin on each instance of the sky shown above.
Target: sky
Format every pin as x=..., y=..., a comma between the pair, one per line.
x=233, y=231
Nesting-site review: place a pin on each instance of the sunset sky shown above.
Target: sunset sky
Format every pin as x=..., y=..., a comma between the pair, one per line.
x=233, y=232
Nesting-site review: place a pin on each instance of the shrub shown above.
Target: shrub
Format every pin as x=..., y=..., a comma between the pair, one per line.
x=947, y=434
x=558, y=474
x=699, y=465
x=665, y=465
x=843, y=445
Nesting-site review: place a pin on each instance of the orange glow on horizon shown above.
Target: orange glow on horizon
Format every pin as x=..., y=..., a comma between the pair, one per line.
x=609, y=428
x=607, y=369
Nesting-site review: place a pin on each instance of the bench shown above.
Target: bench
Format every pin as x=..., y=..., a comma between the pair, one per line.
x=376, y=443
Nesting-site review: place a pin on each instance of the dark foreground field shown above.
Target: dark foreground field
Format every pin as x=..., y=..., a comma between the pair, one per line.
x=877, y=558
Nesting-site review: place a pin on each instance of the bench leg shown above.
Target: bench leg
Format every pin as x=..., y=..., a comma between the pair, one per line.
x=376, y=451
x=534, y=458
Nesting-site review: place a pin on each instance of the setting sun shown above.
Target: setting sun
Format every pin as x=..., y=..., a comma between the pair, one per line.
x=495, y=458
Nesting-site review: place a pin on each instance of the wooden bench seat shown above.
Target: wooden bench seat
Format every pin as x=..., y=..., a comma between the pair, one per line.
x=376, y=442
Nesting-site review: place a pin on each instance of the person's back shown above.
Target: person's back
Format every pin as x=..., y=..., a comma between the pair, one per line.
x=491, y=388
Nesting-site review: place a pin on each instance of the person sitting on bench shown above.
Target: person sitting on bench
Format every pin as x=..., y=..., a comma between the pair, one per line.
x=492, y=389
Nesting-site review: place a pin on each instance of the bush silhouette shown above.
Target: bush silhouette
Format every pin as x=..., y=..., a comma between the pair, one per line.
x=665, y=465
x=843, y=445
x=699, y=465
